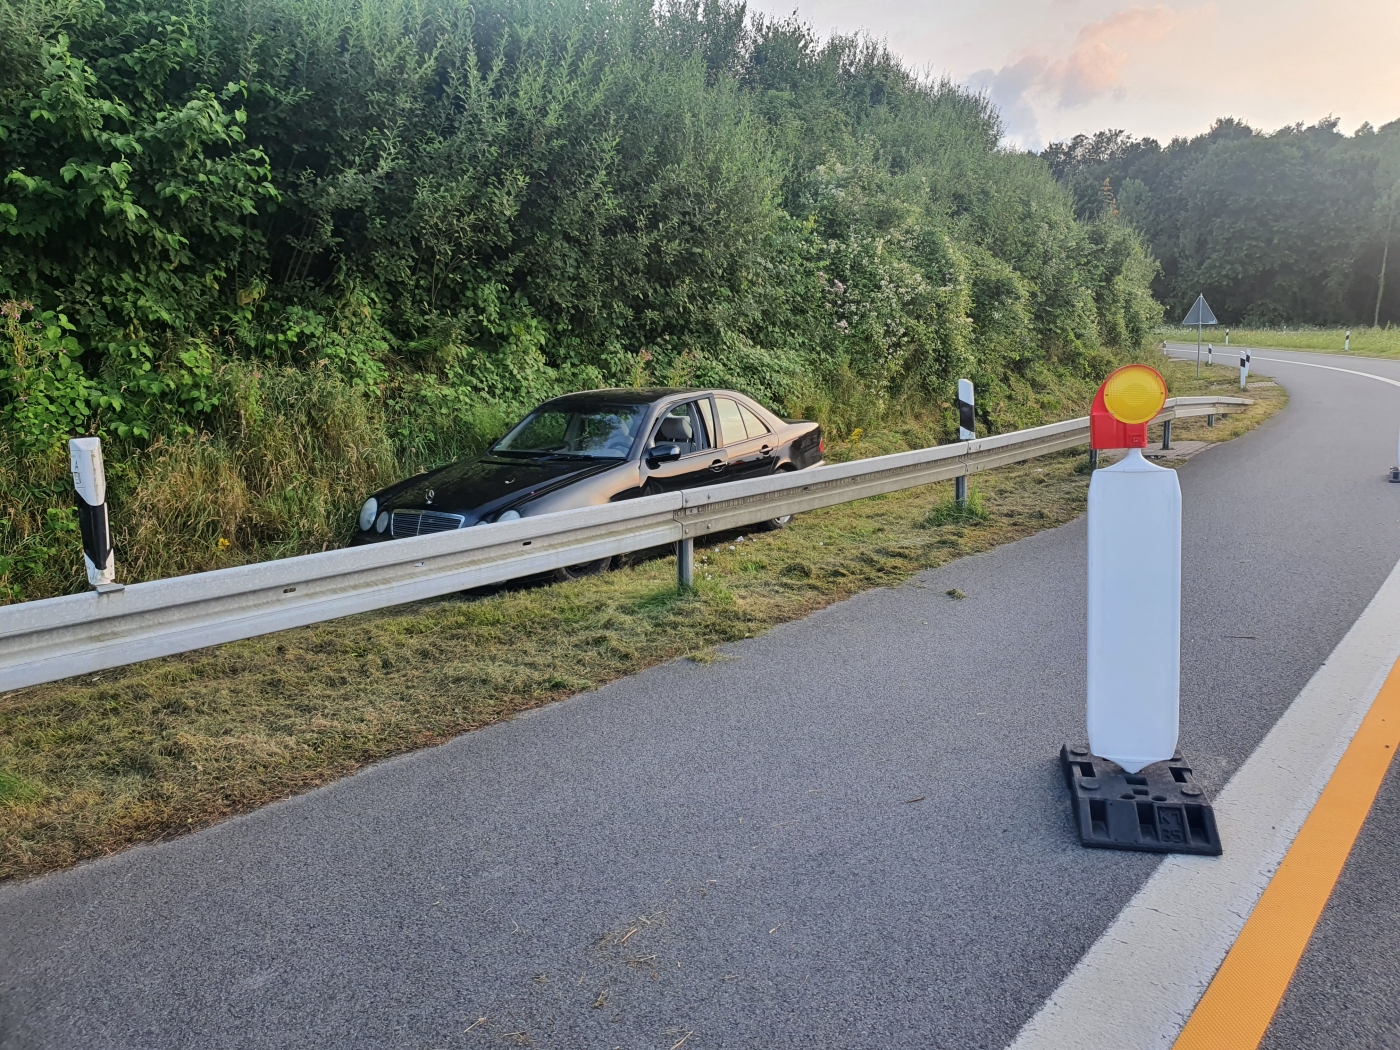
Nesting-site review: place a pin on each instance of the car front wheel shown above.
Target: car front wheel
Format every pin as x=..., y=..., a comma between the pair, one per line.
x=587, y=568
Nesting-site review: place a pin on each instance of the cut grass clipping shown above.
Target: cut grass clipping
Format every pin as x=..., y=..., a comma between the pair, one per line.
x=94, y=764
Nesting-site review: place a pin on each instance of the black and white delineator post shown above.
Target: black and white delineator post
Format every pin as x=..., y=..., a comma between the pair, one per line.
x=967, y=430
x=90, y=481
x=1395, y=470
x=1129, y=787
x=1244, y=367
x=1346, y=345
x=1210, y=353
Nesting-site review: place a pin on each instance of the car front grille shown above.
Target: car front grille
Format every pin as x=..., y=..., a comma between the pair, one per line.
x=422, y=522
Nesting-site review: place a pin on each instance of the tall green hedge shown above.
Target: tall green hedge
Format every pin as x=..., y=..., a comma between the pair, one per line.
x=456, y=204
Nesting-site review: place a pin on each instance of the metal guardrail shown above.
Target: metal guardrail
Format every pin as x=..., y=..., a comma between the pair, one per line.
x=43, y=641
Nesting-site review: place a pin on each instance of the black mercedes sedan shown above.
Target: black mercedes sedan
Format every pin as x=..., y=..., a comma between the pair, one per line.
x=585, y=449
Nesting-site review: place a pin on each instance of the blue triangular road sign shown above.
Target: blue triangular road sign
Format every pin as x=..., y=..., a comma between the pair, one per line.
x=1200, y=313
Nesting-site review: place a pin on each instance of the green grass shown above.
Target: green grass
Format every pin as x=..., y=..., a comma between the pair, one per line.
x=1365, y=341
x=94, y=764
x=951, y=512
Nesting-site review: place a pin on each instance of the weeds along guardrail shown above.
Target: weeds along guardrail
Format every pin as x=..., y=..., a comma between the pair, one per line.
x=43, y=641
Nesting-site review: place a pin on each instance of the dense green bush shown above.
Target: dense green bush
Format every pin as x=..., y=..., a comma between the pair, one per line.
x=1293, y=227
x=442, y=212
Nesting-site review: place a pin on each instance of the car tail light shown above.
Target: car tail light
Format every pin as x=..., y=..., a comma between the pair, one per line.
x=821, y=446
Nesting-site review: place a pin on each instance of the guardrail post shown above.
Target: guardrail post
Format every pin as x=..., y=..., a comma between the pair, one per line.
x=960, y=490
x=1093, y=459
x=1210, y=419
x=685, y=562
x=1166, y=435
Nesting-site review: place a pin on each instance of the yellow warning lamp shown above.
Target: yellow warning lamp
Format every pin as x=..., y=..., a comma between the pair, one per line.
x=1134, y=394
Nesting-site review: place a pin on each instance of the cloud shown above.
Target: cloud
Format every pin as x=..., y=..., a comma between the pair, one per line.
x=1010, y=89
x=1092, y=69
x=1095, y=66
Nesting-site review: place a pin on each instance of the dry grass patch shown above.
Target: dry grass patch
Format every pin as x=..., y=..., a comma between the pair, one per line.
x=91, y=765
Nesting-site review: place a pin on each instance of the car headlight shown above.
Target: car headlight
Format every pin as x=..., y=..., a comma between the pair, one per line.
x=382, y=522
x=509, y=515
x=367, y=513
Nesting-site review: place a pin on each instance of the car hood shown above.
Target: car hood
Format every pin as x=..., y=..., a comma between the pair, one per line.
x=480, y=487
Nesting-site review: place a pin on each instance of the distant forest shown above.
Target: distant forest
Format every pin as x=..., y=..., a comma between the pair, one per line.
x=1290, y=227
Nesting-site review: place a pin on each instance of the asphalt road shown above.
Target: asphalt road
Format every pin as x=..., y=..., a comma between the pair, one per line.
x=1346, y=991
x=850, y=834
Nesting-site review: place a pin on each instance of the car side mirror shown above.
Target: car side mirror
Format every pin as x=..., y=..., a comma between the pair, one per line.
x=663, y=454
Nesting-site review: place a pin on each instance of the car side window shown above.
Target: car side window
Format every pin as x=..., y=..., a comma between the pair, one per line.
x=707, y=417
x=682, y=426
x=756, y=427
x=731, y=423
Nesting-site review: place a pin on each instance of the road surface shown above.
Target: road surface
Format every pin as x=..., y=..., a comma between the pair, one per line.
x=852, y=833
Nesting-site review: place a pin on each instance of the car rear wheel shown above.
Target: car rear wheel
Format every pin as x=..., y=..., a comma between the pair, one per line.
x=773, y=524
x=587, y=568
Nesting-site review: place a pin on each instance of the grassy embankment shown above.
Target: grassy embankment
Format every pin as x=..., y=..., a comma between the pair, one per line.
x=1365, y=342
x=91, y=765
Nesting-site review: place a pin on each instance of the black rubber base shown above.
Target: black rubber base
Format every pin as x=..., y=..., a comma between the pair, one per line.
x=1158, y=810
x=1395, y=473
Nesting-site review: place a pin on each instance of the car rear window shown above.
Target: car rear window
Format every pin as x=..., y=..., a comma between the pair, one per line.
x=756, y=426
x=731, y=424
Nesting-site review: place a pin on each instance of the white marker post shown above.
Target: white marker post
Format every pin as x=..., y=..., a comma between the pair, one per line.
x=90, y=481
x=1210, y=354
x=1395, y=470
x=1134, y=651
x=1346, y=344
x=1244, y=368
x=967, y=430
x=1227, y=337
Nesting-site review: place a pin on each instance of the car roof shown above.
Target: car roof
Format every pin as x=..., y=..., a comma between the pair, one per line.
x=634, y=396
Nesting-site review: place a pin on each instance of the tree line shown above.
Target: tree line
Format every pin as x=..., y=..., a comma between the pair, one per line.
x=1296, y=226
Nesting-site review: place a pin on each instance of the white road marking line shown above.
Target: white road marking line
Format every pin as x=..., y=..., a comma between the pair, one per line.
x=1309, y=364
x=1139, y=982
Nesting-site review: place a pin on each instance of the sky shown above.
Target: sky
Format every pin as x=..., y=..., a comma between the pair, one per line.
x=1059, y=67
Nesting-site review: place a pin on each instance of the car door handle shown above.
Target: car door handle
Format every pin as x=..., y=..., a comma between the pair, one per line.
x=717, y=465
x=766, y=450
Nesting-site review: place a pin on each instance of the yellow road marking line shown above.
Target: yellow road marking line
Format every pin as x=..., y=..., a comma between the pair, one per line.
x=1241, y=1001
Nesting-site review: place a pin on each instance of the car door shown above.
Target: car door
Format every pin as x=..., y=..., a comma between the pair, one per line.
x=747, y=439
x=691, y=426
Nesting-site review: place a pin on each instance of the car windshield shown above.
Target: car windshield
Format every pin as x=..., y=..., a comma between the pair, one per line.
x=593, y=431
